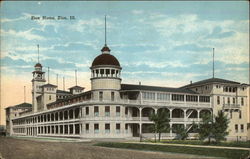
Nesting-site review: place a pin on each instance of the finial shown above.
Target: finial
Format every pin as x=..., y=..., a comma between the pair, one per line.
x=48, y=74
x=105, y=32
x=63, y=83
x=24, y=94
x=76, y=76
x=57, y=80
x=213, y=62
x=38, y=53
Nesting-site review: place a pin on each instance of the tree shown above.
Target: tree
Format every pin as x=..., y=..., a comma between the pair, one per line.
x=216, y=129
x=205, y=129
x=220, y=126
x=161, y=122
x=181, y=132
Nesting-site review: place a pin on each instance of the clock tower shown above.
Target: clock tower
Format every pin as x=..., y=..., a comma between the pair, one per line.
x=37, y=81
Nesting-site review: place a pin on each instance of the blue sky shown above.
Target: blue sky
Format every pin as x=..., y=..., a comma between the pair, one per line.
x=157, y=43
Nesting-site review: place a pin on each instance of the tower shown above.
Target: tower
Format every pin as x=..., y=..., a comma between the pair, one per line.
x=37, y=81
x=105, y=75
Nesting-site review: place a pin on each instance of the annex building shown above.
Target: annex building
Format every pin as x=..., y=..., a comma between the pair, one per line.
x=112, y=109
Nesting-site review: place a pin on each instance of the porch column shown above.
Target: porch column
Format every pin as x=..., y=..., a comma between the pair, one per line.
x=198, y=115
x=171, y=132
x=68, y=129
x=185, y=114
x=140, y=124
x=74, y=129
x=170, y=113
x=63, y=129
x=59, y=129
x=156, y=109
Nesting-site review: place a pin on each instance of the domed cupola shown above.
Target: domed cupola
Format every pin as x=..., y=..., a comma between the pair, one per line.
x=105, y=65
x=105, y=58
x=105, y=70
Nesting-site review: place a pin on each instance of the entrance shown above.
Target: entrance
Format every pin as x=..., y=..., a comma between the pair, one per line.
x=135, y=130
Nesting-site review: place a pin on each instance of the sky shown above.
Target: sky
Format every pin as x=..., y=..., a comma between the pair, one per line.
x=157, y=43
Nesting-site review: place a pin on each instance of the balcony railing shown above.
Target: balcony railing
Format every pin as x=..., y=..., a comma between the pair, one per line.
x=231, y=106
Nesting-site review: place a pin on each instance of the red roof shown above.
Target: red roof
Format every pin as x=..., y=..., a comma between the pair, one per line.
x=38, y=65
x=105, y=59
x=105, y=48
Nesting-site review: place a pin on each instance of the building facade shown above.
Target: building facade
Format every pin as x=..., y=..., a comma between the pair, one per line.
x=115, y=110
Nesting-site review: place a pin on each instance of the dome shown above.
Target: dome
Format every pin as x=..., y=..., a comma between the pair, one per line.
x=38, y=65
x=105, y=59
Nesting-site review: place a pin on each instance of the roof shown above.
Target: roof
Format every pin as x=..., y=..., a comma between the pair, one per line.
x=105, y=48
x=77, y=87
x=38, y=65
x=62, y=91
x=48, y=85
x=211, y=80
x=155, y=88
x=105, y=59
x=22, y=105
x=71, y=97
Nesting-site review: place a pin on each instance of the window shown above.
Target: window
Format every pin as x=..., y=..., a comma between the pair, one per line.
x=107, y=111
x=118, y=127
x=191, y=98
x=223, y=100
x=231, y=114
x=49, y=97
x=236, y=128
x=126, y=128
x=87, y=110
x=126, y=111
x=96, y=128
x=240, y=114
x=100, y=96
x=102, y=72
x=228, y=100
x=107, y=128
x=112, y=96
x=177, y=97
x=204, y=99
x=242, y=128
x=148, y=95
x=226, y=90
x=242, y=101
x=218, y=100
x=163, y=96
x=234, y=89
x=87, y=128
x=233, y=100
x=96, y=111
x=118, y=110
x=107, y=72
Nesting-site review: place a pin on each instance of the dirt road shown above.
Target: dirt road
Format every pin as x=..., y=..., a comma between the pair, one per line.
x=11, y=148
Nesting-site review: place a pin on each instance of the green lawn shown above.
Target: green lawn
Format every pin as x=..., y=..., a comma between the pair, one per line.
x=226, y=153
x=198, y=142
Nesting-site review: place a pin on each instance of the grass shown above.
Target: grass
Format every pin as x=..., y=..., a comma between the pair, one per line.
x=213, y=152
x=245, y=144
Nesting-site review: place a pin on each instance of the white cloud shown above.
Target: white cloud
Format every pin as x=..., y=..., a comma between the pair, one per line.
x=136, y=12
x=81, y=25
x=22, y=34
x=156, y=64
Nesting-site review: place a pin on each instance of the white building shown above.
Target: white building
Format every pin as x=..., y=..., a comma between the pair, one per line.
x=115, y=110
